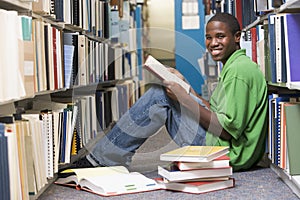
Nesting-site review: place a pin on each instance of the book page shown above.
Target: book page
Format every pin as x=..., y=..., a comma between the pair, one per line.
x=162, y=72
x=115, y=184
x=97, y=171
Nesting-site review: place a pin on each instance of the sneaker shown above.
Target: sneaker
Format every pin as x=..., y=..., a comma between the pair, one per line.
x=80, y=163
x=83, y=162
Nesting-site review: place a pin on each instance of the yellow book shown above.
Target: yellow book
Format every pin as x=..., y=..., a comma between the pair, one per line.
x=195, y=153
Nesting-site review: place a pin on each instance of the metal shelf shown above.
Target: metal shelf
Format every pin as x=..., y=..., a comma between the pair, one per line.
x=15, y=5
x=292, y=181
x=289, y=6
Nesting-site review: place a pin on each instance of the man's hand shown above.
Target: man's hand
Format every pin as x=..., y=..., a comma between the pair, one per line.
x=176, y=72
x=174, y=90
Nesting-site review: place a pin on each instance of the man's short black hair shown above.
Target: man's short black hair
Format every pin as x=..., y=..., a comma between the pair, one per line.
x=228, y=19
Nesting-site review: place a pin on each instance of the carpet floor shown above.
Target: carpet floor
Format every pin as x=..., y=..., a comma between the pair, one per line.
x=259, y=183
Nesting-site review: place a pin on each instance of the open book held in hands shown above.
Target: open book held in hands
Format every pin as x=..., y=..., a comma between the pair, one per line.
x=107, y=181
x=161, y=72
x=195, y=153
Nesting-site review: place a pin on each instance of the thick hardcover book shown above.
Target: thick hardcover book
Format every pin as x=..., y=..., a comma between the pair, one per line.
x=292, y=113
x=161, y=72
x=222, y=161
x=173, y=174
x=195, y=153
x=107, y=181
x=199, y=187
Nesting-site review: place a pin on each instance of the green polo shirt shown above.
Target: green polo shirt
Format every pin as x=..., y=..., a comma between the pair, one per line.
x=240, y=103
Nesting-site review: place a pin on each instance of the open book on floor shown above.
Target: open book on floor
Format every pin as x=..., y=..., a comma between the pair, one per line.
x=195, y=153
x=107, y=181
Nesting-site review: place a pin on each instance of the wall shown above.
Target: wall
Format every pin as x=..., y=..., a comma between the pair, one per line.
x=161, y=29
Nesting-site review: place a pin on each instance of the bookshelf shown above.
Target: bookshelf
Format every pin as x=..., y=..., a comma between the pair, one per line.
x=102, y=69
x=259, y=17
x=281, y=88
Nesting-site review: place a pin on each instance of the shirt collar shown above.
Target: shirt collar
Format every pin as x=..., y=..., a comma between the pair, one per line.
x=233, y=56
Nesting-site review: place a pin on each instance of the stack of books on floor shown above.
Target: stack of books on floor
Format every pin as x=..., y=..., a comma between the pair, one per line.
x=196, y=169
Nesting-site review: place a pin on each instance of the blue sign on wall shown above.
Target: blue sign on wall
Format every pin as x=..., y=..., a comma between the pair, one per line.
x=189, y=40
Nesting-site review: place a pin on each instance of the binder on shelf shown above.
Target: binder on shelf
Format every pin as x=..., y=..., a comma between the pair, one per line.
x=292, y=40
x=48, y=142
x=280, y=49
x=271, y=27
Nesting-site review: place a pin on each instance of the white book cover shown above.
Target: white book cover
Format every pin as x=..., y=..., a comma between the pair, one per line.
x=160, y=71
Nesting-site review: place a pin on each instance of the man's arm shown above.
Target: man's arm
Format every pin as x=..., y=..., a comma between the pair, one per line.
x=207, y=119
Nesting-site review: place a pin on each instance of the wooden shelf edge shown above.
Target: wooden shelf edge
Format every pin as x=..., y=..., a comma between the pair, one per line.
x=291, y=181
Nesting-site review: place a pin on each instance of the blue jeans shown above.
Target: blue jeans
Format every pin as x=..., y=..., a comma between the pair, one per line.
x=150, y=112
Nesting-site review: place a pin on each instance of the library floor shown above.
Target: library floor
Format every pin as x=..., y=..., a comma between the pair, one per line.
x=259, y=183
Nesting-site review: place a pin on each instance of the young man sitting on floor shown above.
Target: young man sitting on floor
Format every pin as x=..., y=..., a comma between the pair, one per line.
x=235, y=116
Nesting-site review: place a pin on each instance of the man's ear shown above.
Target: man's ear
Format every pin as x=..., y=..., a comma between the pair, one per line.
x=237, y=36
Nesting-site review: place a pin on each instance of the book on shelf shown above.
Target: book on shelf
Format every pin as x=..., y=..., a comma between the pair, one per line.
x=107, y=181
x=272, y=47
x=292, y=38
x=292, y=114
x=4, y=158
x=195, y=153
x=161, y=72
x=277, y=123
x=198, y=187
x=222, y=161
x=174, y=174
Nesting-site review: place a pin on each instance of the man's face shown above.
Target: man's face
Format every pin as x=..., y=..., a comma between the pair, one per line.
x=219, y=41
